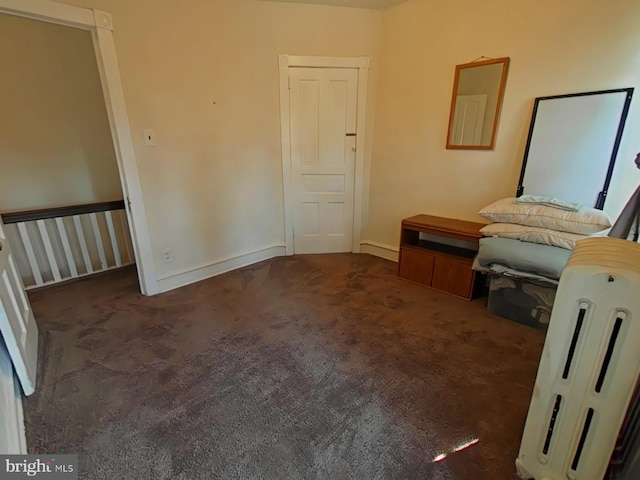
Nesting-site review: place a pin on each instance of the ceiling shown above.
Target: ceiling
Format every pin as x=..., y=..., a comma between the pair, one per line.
x=374, y=4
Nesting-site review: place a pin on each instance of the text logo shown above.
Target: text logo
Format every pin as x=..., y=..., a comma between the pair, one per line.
x=50, y=467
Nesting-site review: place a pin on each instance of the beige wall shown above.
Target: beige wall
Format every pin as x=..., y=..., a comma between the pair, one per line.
x=204, y=76
x=55, y=144
x=555, y=48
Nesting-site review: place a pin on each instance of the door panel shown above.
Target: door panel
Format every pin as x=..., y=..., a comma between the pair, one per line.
x=469, y=115
x=323, y=112
x=17, y=325
x=323, y=183
x=309, y=121
x=310, y=219
x=335, y=220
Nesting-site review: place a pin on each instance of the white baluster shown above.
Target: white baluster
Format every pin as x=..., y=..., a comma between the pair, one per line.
x=83, y=244
x=31, y=256
x=51, y=258
x=113, y=238
x=67, y=247
x=99, y=245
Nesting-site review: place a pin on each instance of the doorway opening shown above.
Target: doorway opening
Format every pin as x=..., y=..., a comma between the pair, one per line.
x=61, y=198
x=100, y=25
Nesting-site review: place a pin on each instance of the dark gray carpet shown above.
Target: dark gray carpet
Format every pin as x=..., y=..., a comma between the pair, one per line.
x=306, y=367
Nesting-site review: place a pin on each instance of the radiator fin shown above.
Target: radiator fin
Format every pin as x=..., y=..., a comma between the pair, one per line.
x=607, y=356
x=552, y=424
x=583, y=439
x=574, y=342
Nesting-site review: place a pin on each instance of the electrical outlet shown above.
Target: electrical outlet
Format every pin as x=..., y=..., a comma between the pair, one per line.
x=167, y=256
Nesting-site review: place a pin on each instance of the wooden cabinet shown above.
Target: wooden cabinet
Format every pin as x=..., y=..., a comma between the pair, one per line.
x=418, y=266
x=438, y=252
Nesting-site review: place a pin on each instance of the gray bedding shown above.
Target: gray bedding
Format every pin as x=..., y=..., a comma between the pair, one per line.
x=516, y=258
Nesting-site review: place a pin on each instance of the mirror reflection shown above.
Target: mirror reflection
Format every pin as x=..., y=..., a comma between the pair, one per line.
x=478, y=90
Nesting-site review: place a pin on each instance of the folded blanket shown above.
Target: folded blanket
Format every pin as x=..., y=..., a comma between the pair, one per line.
x=542, y=260
x=506, y=271
x=549, y=202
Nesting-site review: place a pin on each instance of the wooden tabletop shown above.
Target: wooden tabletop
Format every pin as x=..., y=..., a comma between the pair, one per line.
x=444, y=226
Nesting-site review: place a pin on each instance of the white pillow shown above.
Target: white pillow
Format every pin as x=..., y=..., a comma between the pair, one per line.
x=543, y=236
x=585, y=221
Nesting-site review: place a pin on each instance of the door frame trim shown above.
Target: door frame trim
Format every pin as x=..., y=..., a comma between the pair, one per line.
x=362, y=64
x=100, y=24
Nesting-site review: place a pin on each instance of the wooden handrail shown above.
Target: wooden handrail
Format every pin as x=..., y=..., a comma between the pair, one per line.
x=31, y=215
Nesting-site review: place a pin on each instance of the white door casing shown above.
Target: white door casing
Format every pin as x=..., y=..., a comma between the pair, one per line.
x=12, y=434
x=469, y=119
x=361, y=66
x=17, y=324
x=101, y=26
x=323, y=146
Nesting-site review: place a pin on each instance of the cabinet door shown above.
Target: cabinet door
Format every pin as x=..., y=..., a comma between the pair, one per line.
x=461, y=279
x=452, y=276
x=442, y=274
x=416, y=266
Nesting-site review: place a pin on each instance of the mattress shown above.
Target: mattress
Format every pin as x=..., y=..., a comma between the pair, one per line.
x=521, y=259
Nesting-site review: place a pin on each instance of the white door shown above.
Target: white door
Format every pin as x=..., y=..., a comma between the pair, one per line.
x=17, y=325
x=323, y=105
x=469, y=119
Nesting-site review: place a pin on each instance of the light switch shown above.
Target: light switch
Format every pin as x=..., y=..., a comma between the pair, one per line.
x=149, y=137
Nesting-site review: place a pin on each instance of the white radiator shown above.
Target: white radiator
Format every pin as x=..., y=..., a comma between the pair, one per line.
x=589, y=365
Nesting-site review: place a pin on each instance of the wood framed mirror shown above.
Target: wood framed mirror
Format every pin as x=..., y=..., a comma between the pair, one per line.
x=478, y=90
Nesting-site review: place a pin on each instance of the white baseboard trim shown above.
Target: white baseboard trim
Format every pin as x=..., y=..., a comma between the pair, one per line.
x=382, y=250
x=218, y=267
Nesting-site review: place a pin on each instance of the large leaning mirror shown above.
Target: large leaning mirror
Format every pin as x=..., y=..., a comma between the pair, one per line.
x=478, y=89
